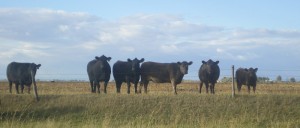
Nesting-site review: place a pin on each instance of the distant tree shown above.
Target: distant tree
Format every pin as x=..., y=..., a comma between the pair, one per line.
x=279, y=78
x=293, y=80
x=226, y=79
x=263, y=79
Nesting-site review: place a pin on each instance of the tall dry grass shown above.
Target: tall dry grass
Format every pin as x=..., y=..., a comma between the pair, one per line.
x=72, y=105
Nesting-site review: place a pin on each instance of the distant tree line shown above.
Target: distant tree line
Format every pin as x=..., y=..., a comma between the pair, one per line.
x=262, y=79
x=292, y=79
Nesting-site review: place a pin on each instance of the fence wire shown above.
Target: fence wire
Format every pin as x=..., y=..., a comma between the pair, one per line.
x=272, y=74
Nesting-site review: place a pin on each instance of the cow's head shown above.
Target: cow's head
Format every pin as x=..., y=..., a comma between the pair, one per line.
x=103, y=58
x=135, y=63
x=184, y=66
x=33, y=67
x=210, y=66
x=251, y=72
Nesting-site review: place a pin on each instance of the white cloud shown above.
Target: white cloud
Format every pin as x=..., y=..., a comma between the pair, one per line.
x=142, y=30
x=220, y=50
x=170, y=48
x=43, y=25
x=45, y=34
x=63, y=28
x=129, y=31
x=241, y=57
x=106, y=37
x=22, y=51
x=127, y=49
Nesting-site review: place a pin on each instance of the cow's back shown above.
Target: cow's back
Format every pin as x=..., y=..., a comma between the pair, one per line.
x=156, y=72
x=17, y=72
x=203, y=76
x=241, y=76
x=121, y=69
x=90, y=68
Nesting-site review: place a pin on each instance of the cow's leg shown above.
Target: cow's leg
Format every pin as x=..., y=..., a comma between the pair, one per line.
x=118, y=86
x=96, y=84
x=213, y=88
x=174, y=87
x=200, y=86
x=22, y=88
x=10, y=86
x=206, y=85
x=98, y=87
x=105, y=86
x=92, y=85
x=128, y=87
x=140, y=88
x=145, y=86
x=248, y=89
x=29, y=88
x=239, y=86
x=17, y=88
x=135, y=87
x=254, y=88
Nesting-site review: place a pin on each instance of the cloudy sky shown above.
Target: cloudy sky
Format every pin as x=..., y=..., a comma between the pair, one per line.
x=65, y=36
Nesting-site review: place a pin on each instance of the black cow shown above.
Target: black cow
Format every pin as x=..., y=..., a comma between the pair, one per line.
x=127, y=72
x=163, y=73
x=22, y=74
x=99, y=71
x=209, y=73
x=247, y=77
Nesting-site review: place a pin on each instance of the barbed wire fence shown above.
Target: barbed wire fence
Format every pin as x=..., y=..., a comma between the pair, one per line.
x=225, y=74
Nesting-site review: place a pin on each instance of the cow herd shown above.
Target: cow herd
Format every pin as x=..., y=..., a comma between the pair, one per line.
x=134, y=71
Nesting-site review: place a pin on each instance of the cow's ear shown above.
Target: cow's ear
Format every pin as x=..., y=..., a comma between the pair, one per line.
x=203, y=62
x=217, y=62
x=108, y=58
x=38, y=66
x=255, y=69
x=191, y=62
x=129, y=60
x=96, y=57
x=142, y=60
x=178, y=62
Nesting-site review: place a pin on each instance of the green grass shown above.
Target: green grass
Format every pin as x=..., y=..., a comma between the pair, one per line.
x=71, y=105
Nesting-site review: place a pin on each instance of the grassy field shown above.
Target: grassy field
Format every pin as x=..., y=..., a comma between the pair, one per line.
x=72, y=105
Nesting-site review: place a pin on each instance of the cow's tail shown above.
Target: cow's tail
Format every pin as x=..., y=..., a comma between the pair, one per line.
x=34, y=86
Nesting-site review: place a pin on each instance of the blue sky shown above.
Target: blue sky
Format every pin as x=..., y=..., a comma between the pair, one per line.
x=233, y=13
x=64, y=36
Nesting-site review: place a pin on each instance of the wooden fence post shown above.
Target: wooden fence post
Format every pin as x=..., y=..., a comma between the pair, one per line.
x=233, y=88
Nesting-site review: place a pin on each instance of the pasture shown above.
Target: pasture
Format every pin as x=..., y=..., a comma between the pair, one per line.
x=70, y=104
